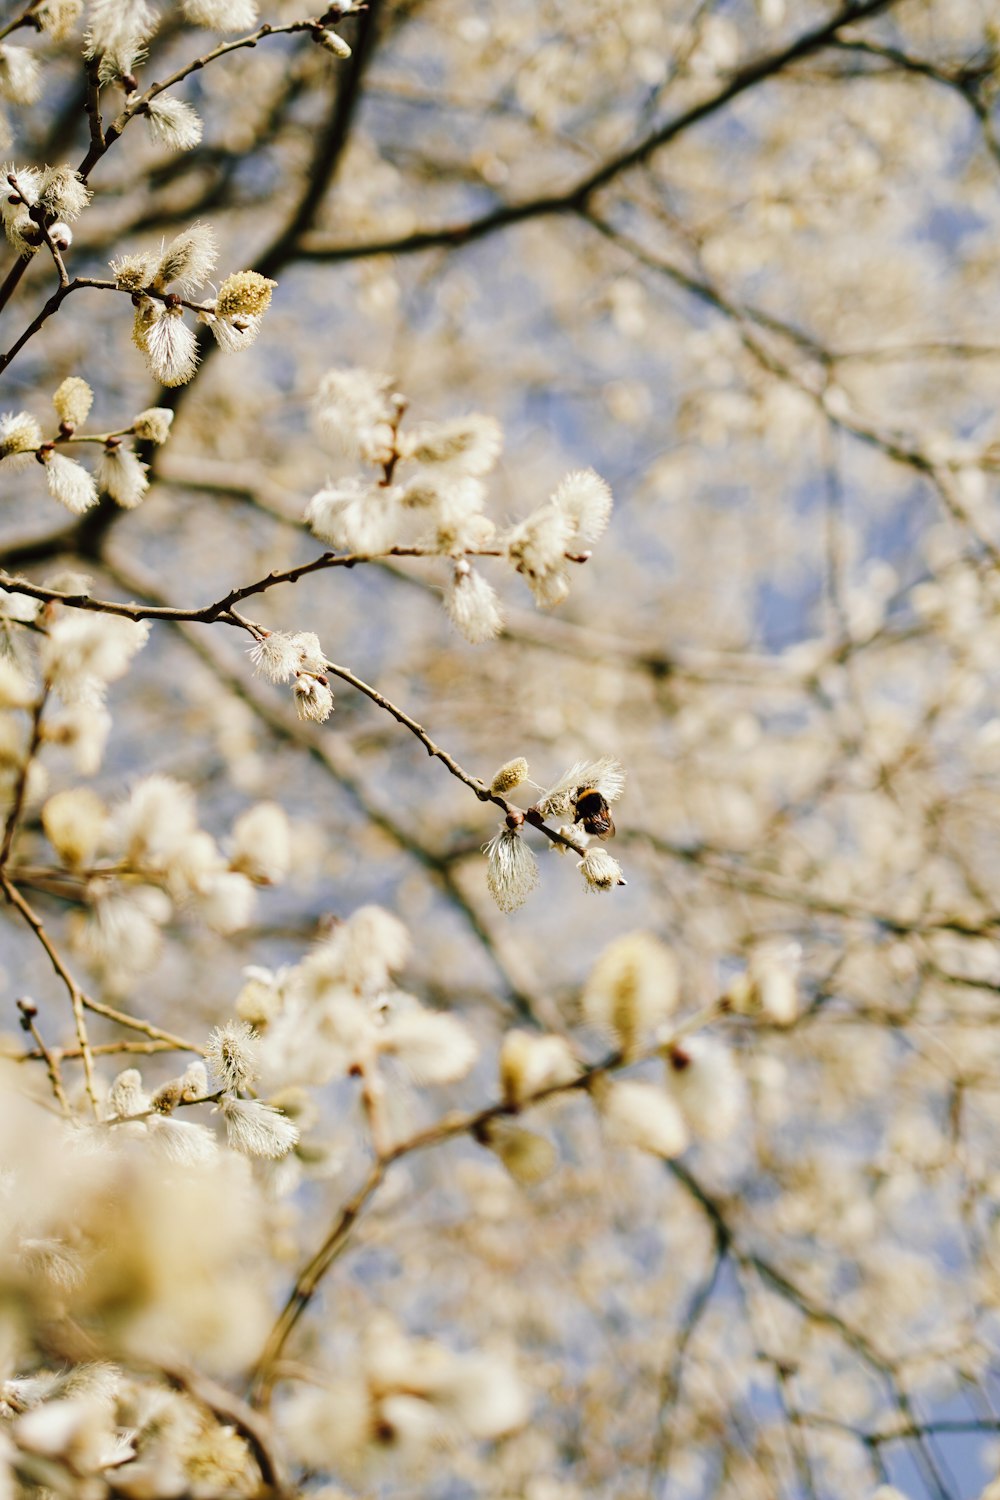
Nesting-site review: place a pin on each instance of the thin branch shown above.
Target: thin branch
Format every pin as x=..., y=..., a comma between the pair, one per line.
x=21, y=786
x=448, y=1128
x=26, y=18
x=326, y=749
x=579, y=196
x=139, y=103
x=670, y=1380
x=222, y=611
x=28, y=1011
x=34, y=921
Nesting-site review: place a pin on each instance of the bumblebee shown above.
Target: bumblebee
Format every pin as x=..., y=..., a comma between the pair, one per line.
x=591, y=809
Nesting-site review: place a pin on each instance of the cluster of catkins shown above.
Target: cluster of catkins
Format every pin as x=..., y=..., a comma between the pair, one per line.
x=146, y=1226
x=426, y=496
x=512, y=870
x=79, y=655
x=159, y=281
x=115, y=44
x=428, y=491
x=119, y=473
x=146, y=858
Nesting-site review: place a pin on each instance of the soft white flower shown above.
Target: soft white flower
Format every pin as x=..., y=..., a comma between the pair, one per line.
x=260, y=1000
x=124, y=936
x=354, y=516
x=173, y=123
x=233, y=1055
x=313, y=699
x=527, y=1156
x=75, y=821
x=62, y=192
x=82, y=726
x=360, y=953
x=512, y=871
x=530, y=1063
x=278, y=656
x=235, y=334
x=194, y=1081
x=188, y=260
x=58, y=17
x=69, y=482
x=134, y=273
x=19, y=227
x=355, y=411
x=467, y=445
x=220, y=15
x=262, y=843
x=15, y=689
x=633, y=987
x=585, y=498
x=153, y=424
x=20, y=436
x=72, y=400
x=117, y=24
x=641, y=1115
x=458, y=524
x=155, y=821
x=127, y=1097
x=20, y=75
x=226, y=901
x=78, y=1431
x=82, y=652
x=123, y=475
x=472, y=605
x=170, y=346
x=771, y=983
x=432, y=1047
x=600, y=871
x=118, y=63
x=537, y=548
x=183, y=1142
x=706, y=1082
x=333, y=42
x=256, y=1129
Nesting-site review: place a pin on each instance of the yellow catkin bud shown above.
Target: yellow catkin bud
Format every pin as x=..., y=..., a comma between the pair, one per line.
x=509, y=776
x=133, y=273
x=153, y=424
x=528, y=1157
x=74, y=823
x=244, y=294
x=632, y=988
x=73, y=401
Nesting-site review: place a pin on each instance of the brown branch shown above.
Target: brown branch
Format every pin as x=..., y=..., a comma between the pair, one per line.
x=220, y=609
x=139, y=103
x=28, y=1011
x=82, y=1001
x=98, y=1049
x=579, y=196
x=34, y=921
x=448, y=1128
x=21, y=786
x=327, y=751
x=26, y=18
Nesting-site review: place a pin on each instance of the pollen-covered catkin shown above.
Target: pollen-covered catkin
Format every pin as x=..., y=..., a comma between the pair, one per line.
x=509, y=776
